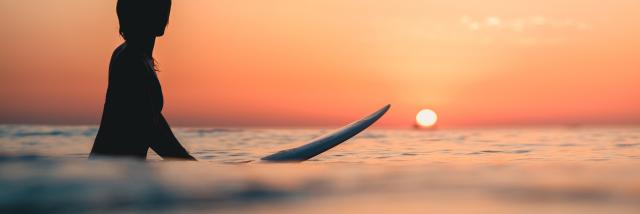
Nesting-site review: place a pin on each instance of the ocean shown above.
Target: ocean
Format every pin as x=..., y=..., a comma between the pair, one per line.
x=44, y=169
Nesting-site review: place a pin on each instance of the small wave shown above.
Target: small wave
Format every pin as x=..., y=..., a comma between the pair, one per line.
x=48, y=133
x=521, y=151
x=371, y=136
x=218, y=130
x=624, y=145
x=90, y=132
x=19, y=158
x=213, y=131
x=239, y=154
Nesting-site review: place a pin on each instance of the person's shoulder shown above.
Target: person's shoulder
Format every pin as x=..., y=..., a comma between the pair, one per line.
x=124, y=52
x=118, y=51
x=124, y=55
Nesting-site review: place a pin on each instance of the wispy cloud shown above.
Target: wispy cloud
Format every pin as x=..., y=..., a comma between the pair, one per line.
x=525, y=31
x=522, y=24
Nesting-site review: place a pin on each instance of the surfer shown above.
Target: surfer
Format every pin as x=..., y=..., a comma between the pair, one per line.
x=132, y=120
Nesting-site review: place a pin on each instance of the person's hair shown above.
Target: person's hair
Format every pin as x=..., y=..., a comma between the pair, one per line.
x=143, y=17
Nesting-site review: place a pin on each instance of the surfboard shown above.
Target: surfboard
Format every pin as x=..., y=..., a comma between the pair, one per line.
x=325, y=142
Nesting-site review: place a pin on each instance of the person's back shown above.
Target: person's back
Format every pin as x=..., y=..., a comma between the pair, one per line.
x=127, y=121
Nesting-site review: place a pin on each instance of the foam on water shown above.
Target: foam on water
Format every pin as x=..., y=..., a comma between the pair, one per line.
x=565, y=170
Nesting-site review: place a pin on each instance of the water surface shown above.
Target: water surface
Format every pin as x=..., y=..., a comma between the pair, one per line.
x=525, y=170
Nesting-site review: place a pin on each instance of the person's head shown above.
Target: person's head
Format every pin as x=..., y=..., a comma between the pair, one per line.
x=143, y=18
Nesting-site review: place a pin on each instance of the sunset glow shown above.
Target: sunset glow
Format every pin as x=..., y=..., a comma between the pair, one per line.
x=325, y=63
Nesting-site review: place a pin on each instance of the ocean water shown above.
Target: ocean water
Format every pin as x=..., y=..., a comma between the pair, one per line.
x=43, y=169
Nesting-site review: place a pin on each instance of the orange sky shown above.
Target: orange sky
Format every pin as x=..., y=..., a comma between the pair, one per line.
x=315, y=63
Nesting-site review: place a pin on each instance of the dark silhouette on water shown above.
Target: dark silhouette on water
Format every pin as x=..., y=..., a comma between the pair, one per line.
x=132, y=121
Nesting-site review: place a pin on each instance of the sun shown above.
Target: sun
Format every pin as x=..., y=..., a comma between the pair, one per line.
x=426, y=118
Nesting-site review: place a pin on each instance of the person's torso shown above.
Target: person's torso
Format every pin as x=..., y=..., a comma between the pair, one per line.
x=129, y=66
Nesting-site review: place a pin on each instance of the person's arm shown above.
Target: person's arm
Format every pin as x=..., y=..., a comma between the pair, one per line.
x=167, y=145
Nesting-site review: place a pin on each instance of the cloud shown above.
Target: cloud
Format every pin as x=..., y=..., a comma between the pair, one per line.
x=493, y=21
x=522, y=24
x=522, y=31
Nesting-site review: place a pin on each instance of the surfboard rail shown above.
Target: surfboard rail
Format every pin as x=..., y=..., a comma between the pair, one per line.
x=325, y=142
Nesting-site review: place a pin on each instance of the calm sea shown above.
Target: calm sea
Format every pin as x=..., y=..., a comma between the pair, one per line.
x=43, y=169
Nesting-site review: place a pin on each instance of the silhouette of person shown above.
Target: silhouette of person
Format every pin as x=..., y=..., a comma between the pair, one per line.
x=132, y=121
